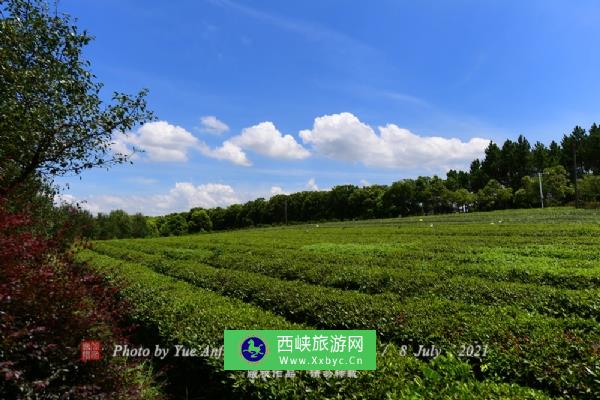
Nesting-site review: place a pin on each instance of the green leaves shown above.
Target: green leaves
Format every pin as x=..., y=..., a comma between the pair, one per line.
x=527, y=287
x=195, y=317
x=52, y=119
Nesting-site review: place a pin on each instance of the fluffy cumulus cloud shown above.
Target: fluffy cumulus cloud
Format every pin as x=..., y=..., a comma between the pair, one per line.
x=227, y=151
x=165, y=142
x=344, y=137
x=212, y=125
x=160, y=141
x=338, y=136
x=266, y=140
x=181, y=197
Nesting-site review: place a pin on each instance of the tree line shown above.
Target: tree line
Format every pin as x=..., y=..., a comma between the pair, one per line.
x=507, y=176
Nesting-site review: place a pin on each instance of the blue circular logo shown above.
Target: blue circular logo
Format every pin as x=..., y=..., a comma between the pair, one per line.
x=253, y=349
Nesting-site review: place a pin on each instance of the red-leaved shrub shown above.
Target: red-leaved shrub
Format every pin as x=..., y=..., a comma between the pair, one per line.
x=48, y=306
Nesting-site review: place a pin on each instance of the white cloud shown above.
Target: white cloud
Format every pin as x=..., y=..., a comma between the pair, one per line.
x=181, y=197
x=164, y=142
x=344, y=137
x=266, y=140
x=275, y=190
x=227, y=151
x=211, y=124
x=160, y=141
x=312, y=185
x=185, y=196
x=338, y=136
x=365, y=183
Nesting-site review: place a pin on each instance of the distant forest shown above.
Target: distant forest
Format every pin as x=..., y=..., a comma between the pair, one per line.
x=508, y=176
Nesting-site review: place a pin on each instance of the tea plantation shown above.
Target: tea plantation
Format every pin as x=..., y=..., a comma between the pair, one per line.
x=524, y=285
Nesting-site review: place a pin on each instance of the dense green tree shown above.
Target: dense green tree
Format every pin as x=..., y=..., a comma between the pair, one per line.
x=174, y=225
x=339, y=202
x=139, y=226
x=494, y=196
x=356, y=202
x=234, y=217
x=100, y=227
x=230, y=216
x=52, y=118
x=523, y=161
x=589, y=188
x=365, y=202
x=314, y=206
x=457, y=180
x=477, y=177
x=431, y=195
x=199, y=221
x=439, y=197
x=372, y=205
x=491, y=166
x=544, y=157
x=423, y=194
x=571, y=151
x=400, y=198
x=524, y=198
x=152, y=227
x=541, y=157
x=555, y=188
x=294, y=205
x=554, y=154
x=115, y=225
x=276, y=208
x=506, y=163
x=516, y=161
x=159, y=222
x=120, y=224
x=593, y=149
x=463, y=199
x=255, y=212
x=217, y=217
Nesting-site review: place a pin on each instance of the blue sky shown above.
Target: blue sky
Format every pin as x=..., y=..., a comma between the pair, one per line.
x=368, y=92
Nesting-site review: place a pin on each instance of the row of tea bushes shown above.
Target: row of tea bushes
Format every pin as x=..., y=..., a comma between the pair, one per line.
x=183, y=314
x=523, y=347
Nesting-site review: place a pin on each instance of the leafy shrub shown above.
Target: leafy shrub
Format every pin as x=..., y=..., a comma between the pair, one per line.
x=48, y=306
